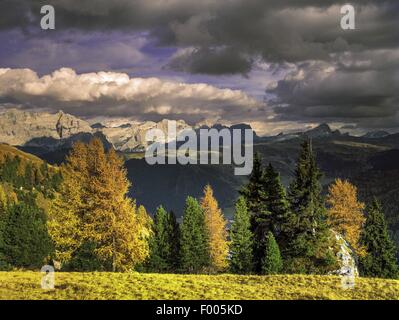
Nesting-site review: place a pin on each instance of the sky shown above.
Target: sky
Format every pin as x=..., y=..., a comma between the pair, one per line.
x=279, y=65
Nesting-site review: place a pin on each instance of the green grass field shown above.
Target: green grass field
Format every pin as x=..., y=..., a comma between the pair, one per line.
x=26, y=285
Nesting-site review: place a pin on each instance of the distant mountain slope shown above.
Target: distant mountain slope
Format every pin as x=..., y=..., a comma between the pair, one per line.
x=169, y=185
x=7, y=150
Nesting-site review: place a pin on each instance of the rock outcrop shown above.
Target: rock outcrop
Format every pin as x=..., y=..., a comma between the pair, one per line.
x=346, y=258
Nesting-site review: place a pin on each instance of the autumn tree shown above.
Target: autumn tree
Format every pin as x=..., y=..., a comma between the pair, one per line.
x=241, y=260
x=380, y=260
x=69, y=207
x=194, y=239
x=99, y=216
x=111, y=220
x=345, y=213
x=216, y=227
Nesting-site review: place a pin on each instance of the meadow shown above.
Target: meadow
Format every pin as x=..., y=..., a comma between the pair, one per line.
x=137, y=286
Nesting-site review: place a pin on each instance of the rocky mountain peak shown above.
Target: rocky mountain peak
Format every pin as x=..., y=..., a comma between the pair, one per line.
x=18, y=127
x=321, y=131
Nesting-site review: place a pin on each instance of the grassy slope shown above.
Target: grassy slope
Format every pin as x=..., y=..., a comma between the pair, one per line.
x=26, y=285
x=6, y=149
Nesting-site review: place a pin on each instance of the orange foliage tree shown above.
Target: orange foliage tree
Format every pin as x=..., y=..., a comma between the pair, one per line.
x=216, y=227
x=345, y=213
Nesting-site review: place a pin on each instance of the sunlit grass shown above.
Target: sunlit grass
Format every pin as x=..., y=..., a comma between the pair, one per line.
x=26, y=285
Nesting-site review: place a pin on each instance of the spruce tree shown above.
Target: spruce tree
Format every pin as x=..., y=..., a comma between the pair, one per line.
x=253, y=191
x=277, y=205
x=175, y=241
x=256, y=199
x=380, y=260
x=26, y=243
x=162, y=246
x=194, y=239
x=271, y=262
x=308, y=249
x=241, y=260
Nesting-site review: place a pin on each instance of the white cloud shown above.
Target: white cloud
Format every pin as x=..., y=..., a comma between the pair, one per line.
x=117, y=94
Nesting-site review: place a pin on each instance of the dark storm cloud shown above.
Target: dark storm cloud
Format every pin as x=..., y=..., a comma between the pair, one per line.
x=321, y=91
x=212, y=61
x=277, y=30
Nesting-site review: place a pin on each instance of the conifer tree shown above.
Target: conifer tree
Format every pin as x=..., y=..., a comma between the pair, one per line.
x=380, y=260
x=162, y=253
x=101, y=222
x=194, y=239
x=26, y=243
x=241, y=240
x=345, y=214
x=272, y=262
x=277, y=204
x=256, y=198
x=253, y=191
x=309, y=237
x=216, y=228
x=112, y=220
x=68, y=209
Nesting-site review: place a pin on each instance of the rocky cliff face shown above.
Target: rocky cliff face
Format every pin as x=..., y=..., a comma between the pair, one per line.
x=19, y=127
x=131, y=137
x=24, y=128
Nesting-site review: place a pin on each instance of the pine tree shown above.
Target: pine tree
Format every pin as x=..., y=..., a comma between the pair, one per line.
x=380, y=260
x=277, y=204
x=272, y=262
x=26, y=243
x=241, y=240
x=216, y=227
x=345, y=214
x=309, y=237
x=256, y=199
x=194, y=239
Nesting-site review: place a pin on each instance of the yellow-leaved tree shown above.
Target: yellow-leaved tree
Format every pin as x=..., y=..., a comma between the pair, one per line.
x=65, y=218
x=98, y=210
x=345, y=213
x=217, y=232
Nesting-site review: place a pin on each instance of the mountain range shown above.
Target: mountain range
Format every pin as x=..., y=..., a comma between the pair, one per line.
x=370, y=161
